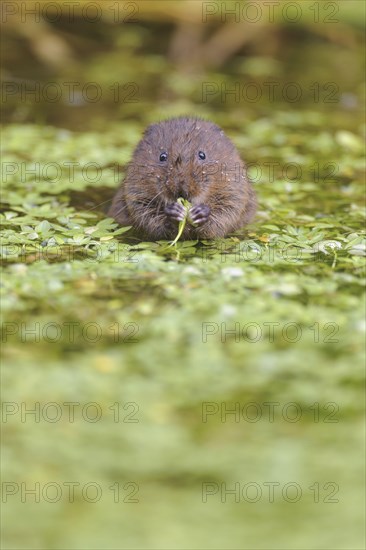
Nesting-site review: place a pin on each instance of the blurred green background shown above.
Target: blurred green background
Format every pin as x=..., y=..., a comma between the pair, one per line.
x=131, y=355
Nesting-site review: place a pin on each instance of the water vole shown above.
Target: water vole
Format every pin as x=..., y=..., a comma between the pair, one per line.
x=189, y=158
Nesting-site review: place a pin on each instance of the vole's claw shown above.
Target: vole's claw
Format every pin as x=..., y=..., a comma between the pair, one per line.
x=176, y=211
x=199, y=214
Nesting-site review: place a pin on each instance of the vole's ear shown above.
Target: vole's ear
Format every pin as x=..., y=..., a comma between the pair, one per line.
x=150, y=130
x=217, y=129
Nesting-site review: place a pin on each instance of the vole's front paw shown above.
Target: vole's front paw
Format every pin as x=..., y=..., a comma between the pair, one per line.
x=176, y=211
x=199, y=214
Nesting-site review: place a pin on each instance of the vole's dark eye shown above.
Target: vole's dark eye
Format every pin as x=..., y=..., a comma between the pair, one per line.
x=201, y=155
x=163, y=157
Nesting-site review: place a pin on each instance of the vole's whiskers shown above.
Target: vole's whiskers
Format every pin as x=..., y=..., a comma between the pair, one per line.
x=118, y=211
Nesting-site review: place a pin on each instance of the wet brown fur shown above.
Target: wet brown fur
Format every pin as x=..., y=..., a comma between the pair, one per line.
x=219, y=181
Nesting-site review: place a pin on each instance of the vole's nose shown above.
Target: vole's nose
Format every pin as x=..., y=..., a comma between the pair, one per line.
x=183, y=193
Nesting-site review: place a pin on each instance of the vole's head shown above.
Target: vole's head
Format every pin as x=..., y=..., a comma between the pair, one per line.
x=183, y=157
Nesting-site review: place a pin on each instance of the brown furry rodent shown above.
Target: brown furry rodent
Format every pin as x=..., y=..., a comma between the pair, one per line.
x=189, y=158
